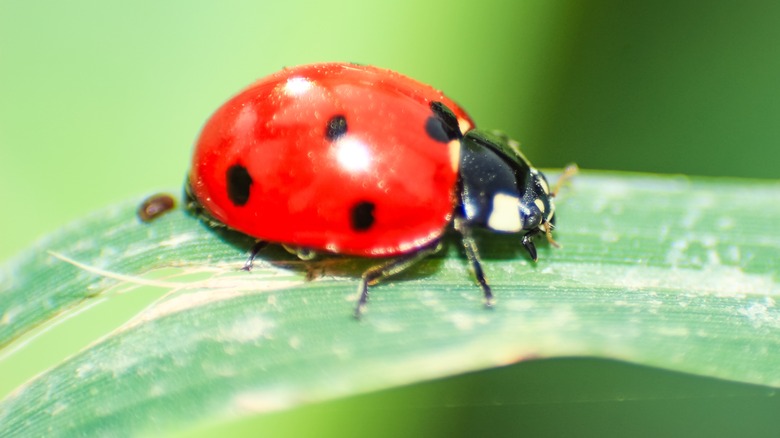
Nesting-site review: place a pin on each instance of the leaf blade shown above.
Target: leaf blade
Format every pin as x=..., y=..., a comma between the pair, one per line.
x=661, y=271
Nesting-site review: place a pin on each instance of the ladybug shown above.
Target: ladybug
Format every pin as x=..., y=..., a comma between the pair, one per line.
x=340, y=158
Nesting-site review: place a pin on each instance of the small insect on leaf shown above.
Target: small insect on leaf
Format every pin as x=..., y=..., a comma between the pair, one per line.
x=155, y=206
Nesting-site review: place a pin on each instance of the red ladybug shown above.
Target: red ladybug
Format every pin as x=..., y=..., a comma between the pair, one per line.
x=351, y=159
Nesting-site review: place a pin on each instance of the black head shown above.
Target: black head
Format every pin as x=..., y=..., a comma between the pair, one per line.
x=499, y=188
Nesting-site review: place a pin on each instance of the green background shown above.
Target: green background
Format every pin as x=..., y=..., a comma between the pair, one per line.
x=101, y=100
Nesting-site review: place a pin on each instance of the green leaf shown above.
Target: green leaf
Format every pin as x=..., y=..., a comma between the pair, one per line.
x=670, y=272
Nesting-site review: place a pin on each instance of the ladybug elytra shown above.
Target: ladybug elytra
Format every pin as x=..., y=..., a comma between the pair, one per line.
x=349, y=159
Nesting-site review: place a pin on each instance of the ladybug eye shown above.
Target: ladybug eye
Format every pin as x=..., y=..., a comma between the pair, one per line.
x=238, y=184
x=362, y=216
x=337, y=127
x=442, y=126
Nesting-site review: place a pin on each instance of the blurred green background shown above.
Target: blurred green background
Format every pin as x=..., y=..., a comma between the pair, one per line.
x=101, y=100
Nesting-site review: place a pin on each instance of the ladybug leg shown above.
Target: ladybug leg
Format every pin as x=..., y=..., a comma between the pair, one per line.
x=528, y=243
x=301, y=252
x=375, y=274
x=250, y=262
x=472, y=253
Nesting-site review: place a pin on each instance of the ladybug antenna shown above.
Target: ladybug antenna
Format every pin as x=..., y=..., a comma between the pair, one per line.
x=570, y=170
x=548, y=227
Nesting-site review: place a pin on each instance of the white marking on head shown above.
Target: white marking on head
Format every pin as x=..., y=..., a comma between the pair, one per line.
x=454, y=147
x=539, y=204
x=464, y=125
x=545, y=187
x=505, y=215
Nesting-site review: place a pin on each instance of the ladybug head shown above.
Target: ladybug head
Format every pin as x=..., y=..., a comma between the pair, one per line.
x=537, y=209
x=499, y=190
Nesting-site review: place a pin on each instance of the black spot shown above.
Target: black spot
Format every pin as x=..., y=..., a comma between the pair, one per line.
x=337, y=127
x=362, y=215
x=238, y=184
x=442, y=126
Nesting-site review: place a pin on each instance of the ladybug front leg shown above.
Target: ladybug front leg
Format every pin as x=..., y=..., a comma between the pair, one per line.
x=528, y=243
x=250, y=262
x=375, y=274
x=528, y=239
x=470, y=245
